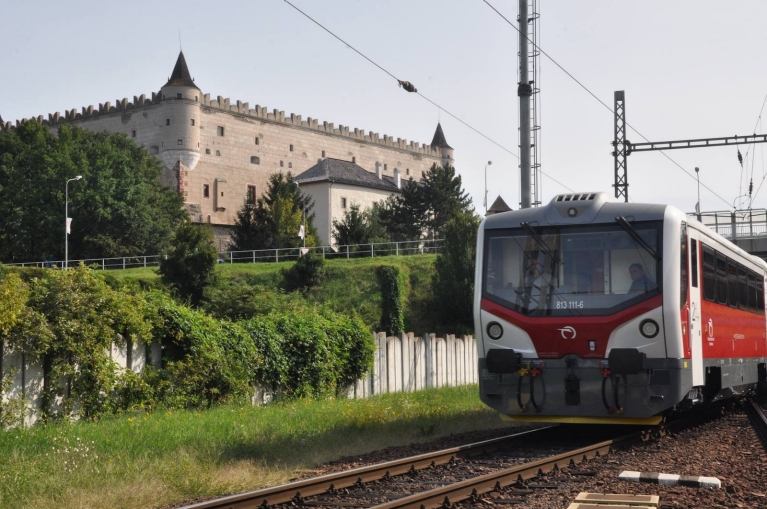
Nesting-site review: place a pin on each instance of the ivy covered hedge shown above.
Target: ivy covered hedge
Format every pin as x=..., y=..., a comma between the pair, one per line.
x=66, y=321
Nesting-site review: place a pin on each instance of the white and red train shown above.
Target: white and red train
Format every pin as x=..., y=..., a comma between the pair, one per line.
x=588, y=310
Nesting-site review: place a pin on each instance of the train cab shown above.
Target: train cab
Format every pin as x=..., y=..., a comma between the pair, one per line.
x=585, y=311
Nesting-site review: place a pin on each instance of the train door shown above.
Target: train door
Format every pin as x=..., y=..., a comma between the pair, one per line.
x=694, y=316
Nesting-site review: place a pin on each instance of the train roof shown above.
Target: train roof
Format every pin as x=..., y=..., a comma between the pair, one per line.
x=578, y=208
x=590, y=208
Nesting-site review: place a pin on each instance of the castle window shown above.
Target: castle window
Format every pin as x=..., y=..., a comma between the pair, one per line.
x=220, y=130
x=167, y=121
x=256, y=140
x=180, y=142
x=386, y=167
x=354, y=159
x=282, y=164
x=291, y=148
x=343, y=203
x=407, y=171
x=208, y=218
x=218, y=152
x=178, y=96
x=323, y=153
x=206, y=191
x=290, y=165
x=133, y=134
x=191, y=121
x=207, y=151
x=255, y=160
x=251, y=196
x=195, y=100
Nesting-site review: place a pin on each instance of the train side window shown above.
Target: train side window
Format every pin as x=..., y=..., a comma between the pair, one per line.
x=752, y=292
x=732, y=282
x=742, y=287
x=709, y=274
x=760, y=294
x=721, y=278
x=694, y=262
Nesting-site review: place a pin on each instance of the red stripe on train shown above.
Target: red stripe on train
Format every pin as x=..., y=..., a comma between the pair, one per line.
x=557, y=336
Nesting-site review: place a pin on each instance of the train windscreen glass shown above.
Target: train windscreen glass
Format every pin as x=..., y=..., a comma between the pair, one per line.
x=581, y=271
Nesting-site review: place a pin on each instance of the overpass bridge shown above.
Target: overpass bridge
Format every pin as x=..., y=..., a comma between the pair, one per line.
x=746, y=228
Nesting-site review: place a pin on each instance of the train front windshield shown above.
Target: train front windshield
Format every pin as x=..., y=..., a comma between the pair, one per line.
x=573, y=270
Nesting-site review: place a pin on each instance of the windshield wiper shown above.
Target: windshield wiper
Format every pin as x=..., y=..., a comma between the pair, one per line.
x=634, y=235
x=537, y=238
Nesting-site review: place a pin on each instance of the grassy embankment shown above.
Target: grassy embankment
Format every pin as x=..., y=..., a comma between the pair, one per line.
x=164, y=457
x=351, y=286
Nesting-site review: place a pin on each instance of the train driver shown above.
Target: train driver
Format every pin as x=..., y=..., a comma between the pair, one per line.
x=639, y=280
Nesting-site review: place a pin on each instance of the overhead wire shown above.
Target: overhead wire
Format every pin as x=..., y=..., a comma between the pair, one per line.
x=584, y=87
x=401, y=83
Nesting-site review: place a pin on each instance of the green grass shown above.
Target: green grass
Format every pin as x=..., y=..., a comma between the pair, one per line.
x=351, y=286
x=164, y=457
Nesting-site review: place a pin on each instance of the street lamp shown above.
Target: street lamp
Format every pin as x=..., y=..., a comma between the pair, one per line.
x=67, y=220
x=697, y=205
x=488, y=164
x=303, y=213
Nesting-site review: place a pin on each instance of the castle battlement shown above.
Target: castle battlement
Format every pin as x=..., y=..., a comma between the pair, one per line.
x=239, y=108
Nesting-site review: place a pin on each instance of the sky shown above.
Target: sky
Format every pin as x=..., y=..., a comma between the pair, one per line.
x=690, y=69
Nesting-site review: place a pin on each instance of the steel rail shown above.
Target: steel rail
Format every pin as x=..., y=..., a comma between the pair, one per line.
x=473, y=488
x=318, y=485
x=758, y=419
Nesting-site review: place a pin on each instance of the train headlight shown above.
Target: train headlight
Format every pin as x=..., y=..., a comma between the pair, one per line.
x=572, y=212
x=494, y=330
x=649, y=328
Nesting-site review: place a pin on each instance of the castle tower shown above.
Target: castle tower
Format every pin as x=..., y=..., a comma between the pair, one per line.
x=439, y=141
x=180, y=140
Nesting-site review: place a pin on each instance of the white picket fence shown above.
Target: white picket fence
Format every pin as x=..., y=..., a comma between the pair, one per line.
x=406, y=363
x=403, y=363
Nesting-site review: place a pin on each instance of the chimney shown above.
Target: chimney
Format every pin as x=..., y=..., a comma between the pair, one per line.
x=378, y=170
x=397, y=178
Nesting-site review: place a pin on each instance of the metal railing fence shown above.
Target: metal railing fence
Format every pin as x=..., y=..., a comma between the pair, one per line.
x=402, y=248
x=740, y=224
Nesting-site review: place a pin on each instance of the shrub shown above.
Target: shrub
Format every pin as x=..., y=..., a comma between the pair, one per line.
x=306, y=273
x=310, y=355
x=190, y=265
x=206, y=361
x=392, y=314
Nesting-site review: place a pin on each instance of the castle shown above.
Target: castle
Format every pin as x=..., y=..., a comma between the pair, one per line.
x=218, y=154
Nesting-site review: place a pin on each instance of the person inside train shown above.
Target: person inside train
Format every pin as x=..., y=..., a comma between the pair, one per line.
x=639, y=280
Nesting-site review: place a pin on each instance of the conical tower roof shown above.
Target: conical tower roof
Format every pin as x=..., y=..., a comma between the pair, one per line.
x=498, y=206
x=439, y=138
x=180, y=76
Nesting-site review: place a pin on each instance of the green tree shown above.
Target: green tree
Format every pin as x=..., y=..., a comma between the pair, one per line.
x=119, y=208
x=453, y=283
x=353, y=228
x=274, y=220
x=443, y=197
x=189, y=267
x=403, y=215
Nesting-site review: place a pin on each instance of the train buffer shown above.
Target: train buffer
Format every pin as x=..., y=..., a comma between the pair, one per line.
x=586, y=500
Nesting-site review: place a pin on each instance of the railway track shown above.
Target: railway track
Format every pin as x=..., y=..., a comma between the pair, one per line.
x=300, y=490
x=758, y=418
x=374, y=486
